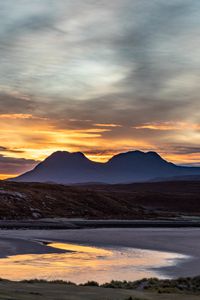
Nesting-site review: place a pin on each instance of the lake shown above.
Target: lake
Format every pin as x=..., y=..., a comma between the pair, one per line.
x=82, y=263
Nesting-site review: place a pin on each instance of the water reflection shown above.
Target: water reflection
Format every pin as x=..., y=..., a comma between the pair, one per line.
x=82, y=263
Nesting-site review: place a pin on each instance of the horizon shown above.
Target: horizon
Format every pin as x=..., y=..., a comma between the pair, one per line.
x=98, y=77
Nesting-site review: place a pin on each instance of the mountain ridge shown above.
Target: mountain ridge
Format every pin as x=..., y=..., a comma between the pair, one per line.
x=75, y=168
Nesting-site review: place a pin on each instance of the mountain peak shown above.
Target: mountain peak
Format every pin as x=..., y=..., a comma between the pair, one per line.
x=133, y=166
x=153, y=154
x=135, y=155
x=65, y=154
x=58, y=154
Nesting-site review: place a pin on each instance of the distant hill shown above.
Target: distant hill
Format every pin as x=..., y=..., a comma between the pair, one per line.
x=136, y=201
x=178, y=178
x=75, y=168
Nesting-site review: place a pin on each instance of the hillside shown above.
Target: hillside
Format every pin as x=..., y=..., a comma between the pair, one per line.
x=133, y=201
x=134, y=166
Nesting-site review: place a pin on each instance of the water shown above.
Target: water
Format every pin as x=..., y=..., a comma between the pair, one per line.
x=80, y=264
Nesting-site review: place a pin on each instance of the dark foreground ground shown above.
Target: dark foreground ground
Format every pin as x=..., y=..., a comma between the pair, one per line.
x=141, y=201
x=53, y=291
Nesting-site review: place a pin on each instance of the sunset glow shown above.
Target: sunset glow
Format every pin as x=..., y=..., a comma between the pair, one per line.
x=100, y=78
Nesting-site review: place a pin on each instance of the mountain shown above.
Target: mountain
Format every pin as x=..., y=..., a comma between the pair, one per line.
x=134, y=166
x=178, y=178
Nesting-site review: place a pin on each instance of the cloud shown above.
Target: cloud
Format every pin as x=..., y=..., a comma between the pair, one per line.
x=107, y=125
x=10, y=165
x=89, y=47
x=186, y=149
x=86, y=73
x=162, y=126
x=5, y=149
x=16, y=116
x=14, y=103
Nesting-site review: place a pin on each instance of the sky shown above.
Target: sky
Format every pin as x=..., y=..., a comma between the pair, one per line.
x=98, y=76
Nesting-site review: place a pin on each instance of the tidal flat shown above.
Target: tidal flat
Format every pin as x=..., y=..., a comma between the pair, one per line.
x=173, y=252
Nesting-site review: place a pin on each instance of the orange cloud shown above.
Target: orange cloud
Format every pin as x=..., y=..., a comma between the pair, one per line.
x=168, y=126
x=16, y=116
x=183, y=158
x=107, y=125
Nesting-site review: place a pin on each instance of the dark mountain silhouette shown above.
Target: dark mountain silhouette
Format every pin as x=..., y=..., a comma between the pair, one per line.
x=135, y=166
x=178, y=178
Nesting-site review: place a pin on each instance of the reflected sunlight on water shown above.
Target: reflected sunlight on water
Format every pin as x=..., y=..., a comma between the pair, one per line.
x=83, y=263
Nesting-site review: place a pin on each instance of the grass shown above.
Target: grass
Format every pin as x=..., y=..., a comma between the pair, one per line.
x=146, y=289
x=180, y=285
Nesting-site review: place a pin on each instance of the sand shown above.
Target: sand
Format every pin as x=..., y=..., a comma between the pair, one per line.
x=181, y=240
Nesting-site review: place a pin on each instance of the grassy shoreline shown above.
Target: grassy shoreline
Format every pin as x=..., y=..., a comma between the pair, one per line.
x=179, y=285
x=147, y=289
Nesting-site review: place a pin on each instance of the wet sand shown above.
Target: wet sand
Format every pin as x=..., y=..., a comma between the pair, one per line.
x=181, y=240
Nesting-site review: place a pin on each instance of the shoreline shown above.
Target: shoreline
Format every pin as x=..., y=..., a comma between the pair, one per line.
x=61, y=224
